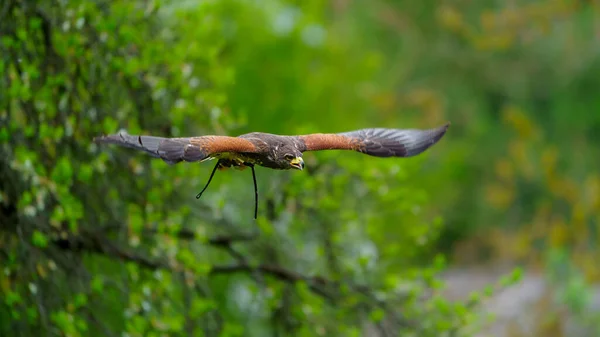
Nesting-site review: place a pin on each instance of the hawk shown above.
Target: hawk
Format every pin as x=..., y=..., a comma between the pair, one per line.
x=277, y=151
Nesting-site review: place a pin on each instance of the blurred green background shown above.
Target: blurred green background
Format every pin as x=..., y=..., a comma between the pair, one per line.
x=110, y=242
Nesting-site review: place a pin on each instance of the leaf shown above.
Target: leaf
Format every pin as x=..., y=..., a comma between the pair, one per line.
x=231, y=330
x=12, y=298
x=201, y=306
x=186, y=257
x=135, y=218
x=32, y=314
x=7, y=41
x=63, y=171
x=377, y=315
x=97, y=284
x=39, y=239
x=80, y=300
x=109, y=125
x=515, y=276
x=63, y=321
x=35, y=23
x=85, y=173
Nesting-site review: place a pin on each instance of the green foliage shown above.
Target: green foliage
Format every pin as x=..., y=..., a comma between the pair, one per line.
x=106, y=241
x=39, y=239
x=573, y=291
x=103, y=241
x=525, y=159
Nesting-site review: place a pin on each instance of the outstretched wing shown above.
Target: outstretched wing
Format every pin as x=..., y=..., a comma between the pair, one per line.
x=174, y=150
x=376, y=142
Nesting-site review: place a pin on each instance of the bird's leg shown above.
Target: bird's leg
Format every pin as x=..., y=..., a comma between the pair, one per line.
x=255, y=191
x=209, y=179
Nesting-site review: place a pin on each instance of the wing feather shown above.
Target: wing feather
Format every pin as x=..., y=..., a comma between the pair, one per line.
x=175, y=150
x=377, y=142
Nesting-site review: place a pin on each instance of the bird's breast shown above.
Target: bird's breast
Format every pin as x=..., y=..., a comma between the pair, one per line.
x=240, y=159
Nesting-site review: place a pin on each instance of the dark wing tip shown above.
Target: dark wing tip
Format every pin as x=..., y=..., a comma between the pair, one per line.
x=420, y=140
x=445, y=126
x=149, y=144
x=439, y=132
x=397, y=142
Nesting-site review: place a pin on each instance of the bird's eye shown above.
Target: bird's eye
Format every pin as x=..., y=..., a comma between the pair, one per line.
x=289, y=156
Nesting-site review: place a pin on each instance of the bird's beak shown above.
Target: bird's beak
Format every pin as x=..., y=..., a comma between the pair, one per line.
x=297, y=163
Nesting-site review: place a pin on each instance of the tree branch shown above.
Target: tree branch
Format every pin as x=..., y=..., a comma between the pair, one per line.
x=316, y=283
x=326, y=288
x=188, y=234
x=104, y=247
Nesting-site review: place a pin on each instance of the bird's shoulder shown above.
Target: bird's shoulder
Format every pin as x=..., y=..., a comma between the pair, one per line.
x=269, y=140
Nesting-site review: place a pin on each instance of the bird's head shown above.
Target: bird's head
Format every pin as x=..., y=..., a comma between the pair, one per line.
x=289, y=157
x=295, y=161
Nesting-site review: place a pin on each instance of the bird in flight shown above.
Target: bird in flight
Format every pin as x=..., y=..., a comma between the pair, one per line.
x=277, y=151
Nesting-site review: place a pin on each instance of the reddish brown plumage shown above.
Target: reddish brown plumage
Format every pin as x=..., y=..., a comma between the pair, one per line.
x=328, y=141
x=219, y=144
